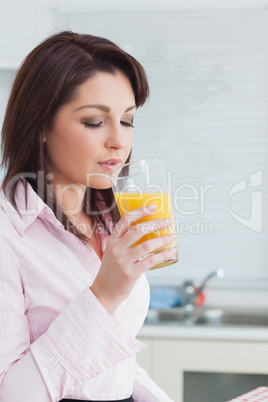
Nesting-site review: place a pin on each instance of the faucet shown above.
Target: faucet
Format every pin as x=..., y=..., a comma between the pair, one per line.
x=190, y=295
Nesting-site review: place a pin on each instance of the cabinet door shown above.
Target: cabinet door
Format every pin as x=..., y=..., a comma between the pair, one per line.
x=159, y=366
x=168, y=367
x=145, y=358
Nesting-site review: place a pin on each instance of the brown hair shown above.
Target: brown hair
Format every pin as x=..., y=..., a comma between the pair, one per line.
x=48, y=79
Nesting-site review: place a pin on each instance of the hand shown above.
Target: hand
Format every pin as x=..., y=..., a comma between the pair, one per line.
x=121, y=265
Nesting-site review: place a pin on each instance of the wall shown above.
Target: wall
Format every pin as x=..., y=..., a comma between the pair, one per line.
x=25, y=24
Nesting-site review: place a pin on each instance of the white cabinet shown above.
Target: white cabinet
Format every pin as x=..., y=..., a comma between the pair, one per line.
x=167, y=359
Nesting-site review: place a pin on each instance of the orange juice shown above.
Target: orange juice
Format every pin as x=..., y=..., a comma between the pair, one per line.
x=127, y=202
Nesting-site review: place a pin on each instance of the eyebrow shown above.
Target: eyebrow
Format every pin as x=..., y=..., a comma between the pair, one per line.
x=103, y=108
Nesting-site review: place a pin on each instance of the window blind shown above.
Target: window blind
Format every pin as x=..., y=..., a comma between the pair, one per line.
x=207, y=120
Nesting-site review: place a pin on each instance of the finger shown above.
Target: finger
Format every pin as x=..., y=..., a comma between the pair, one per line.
x=155, y=259
x=138, y=231
x=149, y=246
x=128, y=219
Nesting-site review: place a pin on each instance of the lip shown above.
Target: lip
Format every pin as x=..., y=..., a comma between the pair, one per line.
x=110, y=164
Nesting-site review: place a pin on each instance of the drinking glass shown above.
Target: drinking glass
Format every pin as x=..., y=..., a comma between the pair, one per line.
x=142, y=183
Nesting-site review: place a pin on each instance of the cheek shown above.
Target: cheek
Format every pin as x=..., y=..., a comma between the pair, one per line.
x=52, y=150
x=63, y=159
x=128, y=147
x=62, y=145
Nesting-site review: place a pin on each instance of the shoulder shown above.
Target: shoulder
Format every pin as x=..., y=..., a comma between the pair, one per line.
x=9, y=219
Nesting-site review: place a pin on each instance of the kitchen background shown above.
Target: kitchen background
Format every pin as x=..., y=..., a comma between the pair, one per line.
x=207, y=119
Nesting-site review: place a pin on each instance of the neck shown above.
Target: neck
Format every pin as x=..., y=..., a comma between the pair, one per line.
x=69, y=197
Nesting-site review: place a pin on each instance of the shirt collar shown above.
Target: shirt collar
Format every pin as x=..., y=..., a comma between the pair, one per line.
x=27, y=213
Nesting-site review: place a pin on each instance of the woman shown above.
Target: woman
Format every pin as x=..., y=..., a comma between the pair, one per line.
x=73, y=294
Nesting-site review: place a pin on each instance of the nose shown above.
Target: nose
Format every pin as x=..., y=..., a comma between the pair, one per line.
x=117, y=137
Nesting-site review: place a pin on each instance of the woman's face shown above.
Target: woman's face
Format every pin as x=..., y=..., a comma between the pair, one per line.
x=92, y=134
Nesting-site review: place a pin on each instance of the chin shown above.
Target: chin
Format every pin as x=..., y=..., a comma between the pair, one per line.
x=102, y=183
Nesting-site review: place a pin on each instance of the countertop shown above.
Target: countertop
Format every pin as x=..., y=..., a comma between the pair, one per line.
x=203, y=333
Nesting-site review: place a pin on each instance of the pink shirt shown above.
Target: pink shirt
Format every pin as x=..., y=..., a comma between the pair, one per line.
x=56, y=339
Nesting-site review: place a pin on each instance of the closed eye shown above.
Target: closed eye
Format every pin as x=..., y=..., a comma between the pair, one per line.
x=126, y=124
x=97, y=125
x=92, y=125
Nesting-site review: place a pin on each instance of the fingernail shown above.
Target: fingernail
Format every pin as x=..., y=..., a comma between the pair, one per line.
x=173, y=235
x=152, y=207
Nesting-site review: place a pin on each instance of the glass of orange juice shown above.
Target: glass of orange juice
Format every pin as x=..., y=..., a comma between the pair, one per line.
x=142, y=183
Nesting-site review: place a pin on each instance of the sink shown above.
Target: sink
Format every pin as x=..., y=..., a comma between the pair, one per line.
x=209, y=316
x=170, y=316
x=232, y=317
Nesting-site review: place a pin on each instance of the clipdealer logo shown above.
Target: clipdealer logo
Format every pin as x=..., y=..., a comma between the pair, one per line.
x=189, y=201
x=255, y=221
